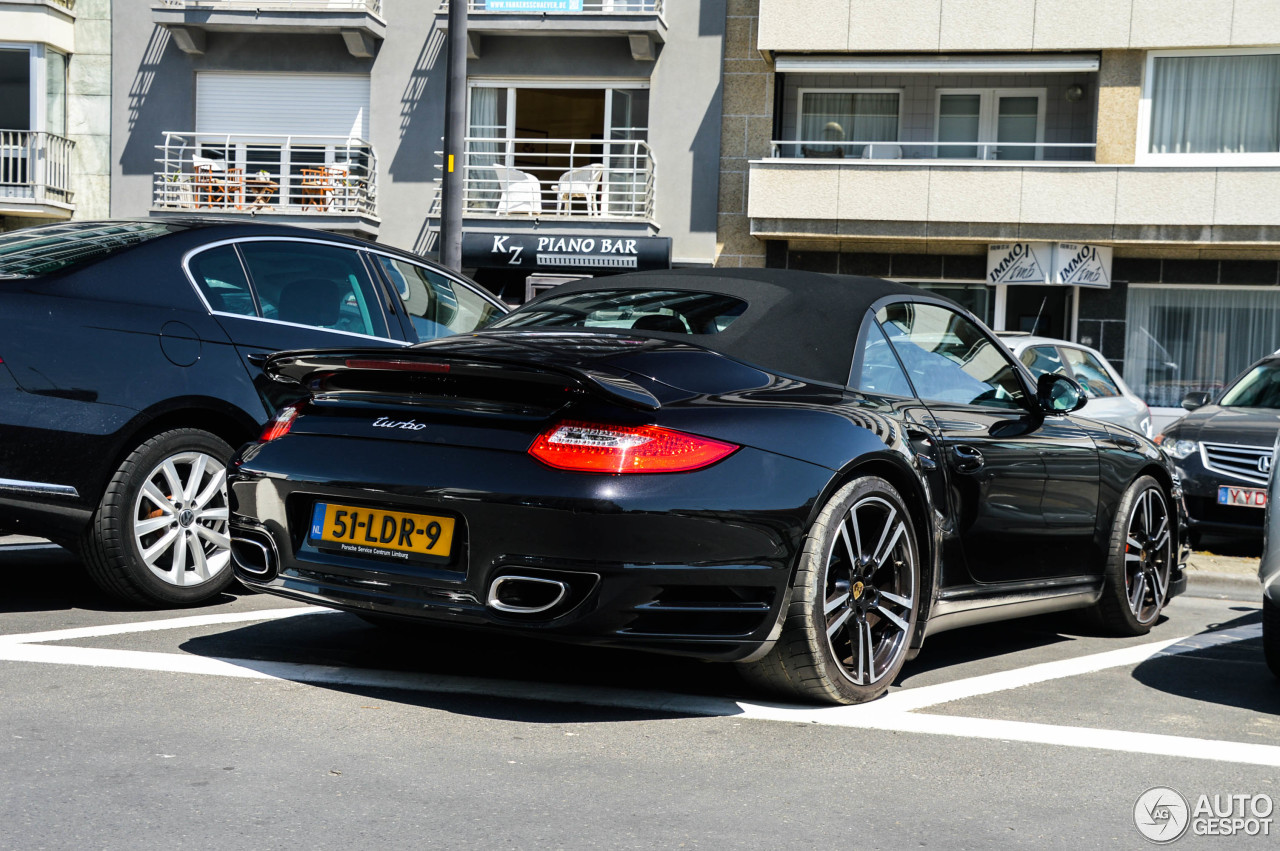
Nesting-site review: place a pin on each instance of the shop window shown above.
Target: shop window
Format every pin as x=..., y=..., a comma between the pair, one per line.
x=1180, y=339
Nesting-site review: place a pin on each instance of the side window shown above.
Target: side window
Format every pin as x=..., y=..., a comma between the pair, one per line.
x=1091, y=374
x=949, y=359
x=436, y=306
x=221, y=280
x=1043, y=359
x=307, y=283
x=876, y=369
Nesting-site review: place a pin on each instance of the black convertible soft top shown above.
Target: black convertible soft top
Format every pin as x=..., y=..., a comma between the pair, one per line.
x=803, y=324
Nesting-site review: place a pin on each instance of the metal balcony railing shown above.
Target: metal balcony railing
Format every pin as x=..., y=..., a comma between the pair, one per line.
x=567, y=178
x=1022, y=152
x=302, y=175
x=374, y=6
x=564, y=7
x=35, y=166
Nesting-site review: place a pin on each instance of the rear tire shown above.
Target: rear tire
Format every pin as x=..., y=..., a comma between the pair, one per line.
x=159, y=536
x=1139, y=561
x=1271, y=635
x=855, y=598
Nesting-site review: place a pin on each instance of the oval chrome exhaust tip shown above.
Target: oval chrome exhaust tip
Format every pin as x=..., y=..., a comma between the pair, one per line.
x=254, y=553
x=526, y=595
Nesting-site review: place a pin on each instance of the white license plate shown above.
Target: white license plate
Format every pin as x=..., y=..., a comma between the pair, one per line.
x=1249, y=497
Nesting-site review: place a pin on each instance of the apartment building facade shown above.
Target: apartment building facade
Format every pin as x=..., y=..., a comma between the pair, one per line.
x=592, y=145
x=54, y=110
x=1106, y=171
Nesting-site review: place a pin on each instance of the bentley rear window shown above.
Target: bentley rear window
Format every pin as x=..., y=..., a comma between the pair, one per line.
x=44, y=250
x=673, y=312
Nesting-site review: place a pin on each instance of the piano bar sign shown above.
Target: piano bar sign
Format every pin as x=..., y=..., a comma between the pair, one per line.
x=588, y=254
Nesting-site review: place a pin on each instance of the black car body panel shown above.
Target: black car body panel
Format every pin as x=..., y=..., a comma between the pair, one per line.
x=119, y=344
x=698, y=562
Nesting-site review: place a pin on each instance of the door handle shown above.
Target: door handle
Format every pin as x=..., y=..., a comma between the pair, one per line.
x=966, y=459
x=257, y=358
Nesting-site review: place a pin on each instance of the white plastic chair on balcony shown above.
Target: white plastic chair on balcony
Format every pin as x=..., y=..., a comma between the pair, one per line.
x=580, y=183
x=882, y=151
x=520, y=192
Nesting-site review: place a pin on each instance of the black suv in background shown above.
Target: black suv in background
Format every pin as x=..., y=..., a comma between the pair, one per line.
x=130, y=357
x=1222, y=451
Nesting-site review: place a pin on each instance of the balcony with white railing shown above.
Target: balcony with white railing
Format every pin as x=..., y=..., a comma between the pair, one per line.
x=587, y=180
x=359, y=22
x=988, y=190
x=640, y=21
x=35, y=174
x=328, y=180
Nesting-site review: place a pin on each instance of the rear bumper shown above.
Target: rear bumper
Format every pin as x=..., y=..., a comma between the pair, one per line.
x=696, y=564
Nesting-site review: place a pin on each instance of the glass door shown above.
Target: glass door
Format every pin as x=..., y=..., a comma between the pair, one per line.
x=1018, y=120
x=1006, y=124
x=625, y=171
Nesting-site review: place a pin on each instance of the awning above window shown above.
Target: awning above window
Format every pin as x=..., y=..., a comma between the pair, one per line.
x=1022, y=63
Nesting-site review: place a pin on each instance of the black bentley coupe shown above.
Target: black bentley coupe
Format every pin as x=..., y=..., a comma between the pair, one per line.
x=806, y=474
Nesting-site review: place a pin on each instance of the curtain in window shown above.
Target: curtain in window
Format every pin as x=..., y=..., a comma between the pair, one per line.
x=483, y=185
x=833, y=117
x=1216, y=104
x=1183, y=339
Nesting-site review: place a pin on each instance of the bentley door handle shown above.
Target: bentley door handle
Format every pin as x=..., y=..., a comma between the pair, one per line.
x=966, y=459
x=257, y=358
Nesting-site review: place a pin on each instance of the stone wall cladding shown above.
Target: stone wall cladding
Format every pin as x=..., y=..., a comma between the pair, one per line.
x=89, y=110
x=746, y=132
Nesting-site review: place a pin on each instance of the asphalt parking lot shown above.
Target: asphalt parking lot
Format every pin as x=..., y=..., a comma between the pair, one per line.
x=254, y=722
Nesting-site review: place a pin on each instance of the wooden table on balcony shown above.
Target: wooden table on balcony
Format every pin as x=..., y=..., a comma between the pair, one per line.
x=260, y=190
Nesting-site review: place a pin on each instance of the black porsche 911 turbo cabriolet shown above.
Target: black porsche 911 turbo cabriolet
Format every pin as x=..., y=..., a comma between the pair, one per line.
x=807, y=474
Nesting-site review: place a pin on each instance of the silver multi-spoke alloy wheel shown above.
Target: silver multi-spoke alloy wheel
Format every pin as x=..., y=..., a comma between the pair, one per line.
x=159, y=535
x=1148, y=555
x=855, y=596
x=180, y=519
x=870, y=591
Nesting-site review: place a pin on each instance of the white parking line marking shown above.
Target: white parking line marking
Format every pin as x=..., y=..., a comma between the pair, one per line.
x=152, y=626
x=897, y=712
x=909, y=699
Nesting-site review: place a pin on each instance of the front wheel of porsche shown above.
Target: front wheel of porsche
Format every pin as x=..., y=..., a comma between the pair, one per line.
x=159, y=536
x=855, y=598
x=1140, y=560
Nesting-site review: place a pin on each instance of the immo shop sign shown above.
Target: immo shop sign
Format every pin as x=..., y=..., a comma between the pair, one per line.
x=1063, y=263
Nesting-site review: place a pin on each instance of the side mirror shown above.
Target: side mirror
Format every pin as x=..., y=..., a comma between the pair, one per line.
x=1195, y=399
x=1058, y=394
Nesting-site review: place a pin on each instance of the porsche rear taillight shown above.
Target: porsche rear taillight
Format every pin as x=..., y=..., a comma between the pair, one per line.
x=280, y=426
x=603, y=448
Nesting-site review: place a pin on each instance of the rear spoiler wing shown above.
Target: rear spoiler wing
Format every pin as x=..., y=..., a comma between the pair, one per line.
x=305, y=367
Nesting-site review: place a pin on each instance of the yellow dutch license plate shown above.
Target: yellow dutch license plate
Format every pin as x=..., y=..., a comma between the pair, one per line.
x=374, y=531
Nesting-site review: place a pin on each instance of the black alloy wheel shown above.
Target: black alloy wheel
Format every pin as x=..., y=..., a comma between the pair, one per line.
x=855, y=597
x=1140, y=561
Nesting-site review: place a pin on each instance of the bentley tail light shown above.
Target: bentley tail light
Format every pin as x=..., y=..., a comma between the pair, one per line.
x=602, y=448
x=280, y=426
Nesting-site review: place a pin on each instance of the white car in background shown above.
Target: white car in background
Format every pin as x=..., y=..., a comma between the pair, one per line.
x=1110, y=399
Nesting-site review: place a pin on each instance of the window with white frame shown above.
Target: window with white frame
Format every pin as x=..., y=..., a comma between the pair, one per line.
x=840, y=122
x=1222, y=106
